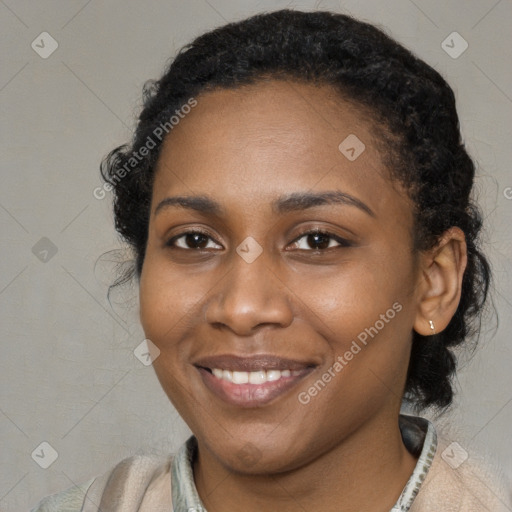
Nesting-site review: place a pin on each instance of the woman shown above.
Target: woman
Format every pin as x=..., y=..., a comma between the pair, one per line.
x=297, y=197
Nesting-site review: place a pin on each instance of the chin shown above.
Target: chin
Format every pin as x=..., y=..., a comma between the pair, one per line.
x=259, y=456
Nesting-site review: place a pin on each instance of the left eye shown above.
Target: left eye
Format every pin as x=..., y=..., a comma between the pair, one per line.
x=193, y=240
x=319, y=240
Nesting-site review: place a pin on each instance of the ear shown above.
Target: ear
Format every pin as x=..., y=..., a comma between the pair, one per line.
x=440, y=282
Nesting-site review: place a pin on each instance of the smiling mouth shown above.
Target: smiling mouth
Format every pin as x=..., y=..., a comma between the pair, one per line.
x=251, y=381
x=258, y=377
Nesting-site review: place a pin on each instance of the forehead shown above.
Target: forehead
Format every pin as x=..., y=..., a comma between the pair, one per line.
x=278, y=112
x=271, y=138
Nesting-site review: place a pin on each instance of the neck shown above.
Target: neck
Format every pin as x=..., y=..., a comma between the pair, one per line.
x=366, y=471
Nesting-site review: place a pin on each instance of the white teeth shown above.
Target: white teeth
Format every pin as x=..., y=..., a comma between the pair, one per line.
x=273, y=375
x=240, y=377
x=259, y=377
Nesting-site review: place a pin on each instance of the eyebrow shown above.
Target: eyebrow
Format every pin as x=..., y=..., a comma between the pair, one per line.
x=304, y=200
x=285, y=204
x=200, y=204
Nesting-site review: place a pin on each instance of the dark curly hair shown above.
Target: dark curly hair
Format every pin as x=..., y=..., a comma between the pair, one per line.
x=407, y=98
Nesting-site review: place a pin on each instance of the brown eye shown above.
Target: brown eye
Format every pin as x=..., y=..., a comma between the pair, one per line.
x=193, y=240
x=319, y=241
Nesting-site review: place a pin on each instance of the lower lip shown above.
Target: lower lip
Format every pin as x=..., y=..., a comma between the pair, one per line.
x=250, y=395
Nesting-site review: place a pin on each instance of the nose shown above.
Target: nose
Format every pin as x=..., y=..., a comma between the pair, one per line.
x=249, y=297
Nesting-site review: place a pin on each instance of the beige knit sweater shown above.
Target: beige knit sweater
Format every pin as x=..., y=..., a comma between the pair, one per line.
x=474, y=486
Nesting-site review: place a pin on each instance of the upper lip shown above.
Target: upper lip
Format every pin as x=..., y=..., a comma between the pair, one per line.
x=252, y=363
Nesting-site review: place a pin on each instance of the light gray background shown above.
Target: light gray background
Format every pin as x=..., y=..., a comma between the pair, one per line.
x=68, y=375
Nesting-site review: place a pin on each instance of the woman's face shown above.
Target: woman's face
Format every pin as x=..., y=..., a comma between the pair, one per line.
x=278, y=343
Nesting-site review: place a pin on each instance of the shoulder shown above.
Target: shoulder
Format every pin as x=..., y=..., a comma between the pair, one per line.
x=135, y=483
x=458, y=480
x=70, y=500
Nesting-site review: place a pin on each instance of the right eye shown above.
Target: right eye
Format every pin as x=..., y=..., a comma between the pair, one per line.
x=193, y=240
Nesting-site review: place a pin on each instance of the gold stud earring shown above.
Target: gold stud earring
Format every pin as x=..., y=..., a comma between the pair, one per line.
x=432, y=327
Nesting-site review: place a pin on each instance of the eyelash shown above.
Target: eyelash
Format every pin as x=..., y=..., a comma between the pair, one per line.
x=341, y=241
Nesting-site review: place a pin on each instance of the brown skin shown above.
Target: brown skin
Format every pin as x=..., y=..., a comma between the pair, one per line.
x=244, y=148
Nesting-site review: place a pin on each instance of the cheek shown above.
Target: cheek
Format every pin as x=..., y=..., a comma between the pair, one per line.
x=167, y=299
x=351, y=297
x=167, y=304
x=362, y=311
